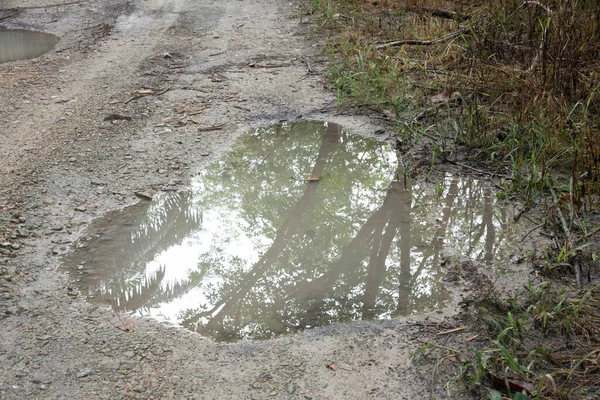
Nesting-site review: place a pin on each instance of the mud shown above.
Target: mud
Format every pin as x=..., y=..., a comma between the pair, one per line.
x=186, y=78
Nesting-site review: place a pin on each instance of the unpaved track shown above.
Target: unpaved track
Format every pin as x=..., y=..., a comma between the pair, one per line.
x=59, y=154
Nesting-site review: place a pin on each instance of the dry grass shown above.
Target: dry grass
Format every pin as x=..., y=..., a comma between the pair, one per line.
x=517, y=83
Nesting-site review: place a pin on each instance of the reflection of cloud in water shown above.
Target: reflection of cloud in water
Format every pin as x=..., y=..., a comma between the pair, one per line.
x=255, y=249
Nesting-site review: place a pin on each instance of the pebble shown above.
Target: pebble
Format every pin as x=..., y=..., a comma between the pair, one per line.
x=85, y=372
x=81, y=208
x=129, y=354
x=290, y=388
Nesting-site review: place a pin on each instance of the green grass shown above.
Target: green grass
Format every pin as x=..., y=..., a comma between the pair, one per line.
x=515, y=85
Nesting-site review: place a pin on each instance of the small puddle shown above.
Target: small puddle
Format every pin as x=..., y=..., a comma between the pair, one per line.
x=21, y=44
x=299, y=225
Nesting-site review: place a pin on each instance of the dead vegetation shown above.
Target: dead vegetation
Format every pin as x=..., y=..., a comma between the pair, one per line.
x=510, y=86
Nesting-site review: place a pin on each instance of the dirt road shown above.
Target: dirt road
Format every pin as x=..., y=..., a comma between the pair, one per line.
x=137, y=96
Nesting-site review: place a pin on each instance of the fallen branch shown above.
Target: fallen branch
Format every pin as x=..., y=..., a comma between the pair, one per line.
x=415, y=42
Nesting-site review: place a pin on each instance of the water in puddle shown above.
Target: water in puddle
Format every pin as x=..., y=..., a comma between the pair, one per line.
x=21, y=44
x=298, y=226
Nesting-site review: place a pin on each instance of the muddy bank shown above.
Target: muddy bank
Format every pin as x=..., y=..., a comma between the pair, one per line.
x=137, y=97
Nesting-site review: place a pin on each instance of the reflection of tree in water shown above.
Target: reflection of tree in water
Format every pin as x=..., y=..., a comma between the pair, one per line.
x=352, y=243
x=121, y=245
x=328, y=259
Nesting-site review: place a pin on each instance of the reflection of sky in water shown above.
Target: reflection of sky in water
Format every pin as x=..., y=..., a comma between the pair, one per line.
x=255, y=249
x=20, y=44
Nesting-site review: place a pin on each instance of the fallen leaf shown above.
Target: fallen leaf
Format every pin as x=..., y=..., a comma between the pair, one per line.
x=332, y=367
x=122, y=323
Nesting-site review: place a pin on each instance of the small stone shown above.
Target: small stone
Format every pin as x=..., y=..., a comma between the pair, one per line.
x=56, y=227
x=290, y=388
x=81, y=208
x=43, y=386
x=129, y=354
x=15, y=246
x=6, y=244
x=85, y=372
x=144, y=195
x=22, y=232
x=205, y=154
x=14, y=310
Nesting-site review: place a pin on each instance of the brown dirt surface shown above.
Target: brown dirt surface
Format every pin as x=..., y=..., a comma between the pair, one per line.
x=81, y=133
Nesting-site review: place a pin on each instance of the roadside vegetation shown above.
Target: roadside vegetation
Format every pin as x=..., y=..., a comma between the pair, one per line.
x=509, y=88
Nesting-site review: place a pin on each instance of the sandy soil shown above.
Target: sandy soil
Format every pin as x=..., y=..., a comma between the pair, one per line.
x=65, y=161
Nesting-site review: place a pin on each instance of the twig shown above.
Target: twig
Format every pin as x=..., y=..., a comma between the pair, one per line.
x=461, y=328
x=253, y=65
x=568, y=237
x=536, y=60
x=212, y=128
x=242, y=108
x=139, y=96
x=479, y=170
x=531, y=231
x=9, y=15
x=422, y=42
x=561, y=217
x=46, y=6
x=471, y=338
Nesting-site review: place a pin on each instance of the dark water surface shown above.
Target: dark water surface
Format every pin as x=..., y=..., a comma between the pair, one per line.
x=21, y=44
x=299, y=225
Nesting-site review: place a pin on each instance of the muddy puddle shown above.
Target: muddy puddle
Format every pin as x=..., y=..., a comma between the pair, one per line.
x=21, y=44
x=298, y=226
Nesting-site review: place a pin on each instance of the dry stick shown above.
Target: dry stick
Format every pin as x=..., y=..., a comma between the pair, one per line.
x=12, y=14
x=461, y=328
x=531, y=231
x=479, y=170
x=568, y=236
x=422, y=42
x=536, y=60
x=46, y=6
x=212, y=128
x=139, y=96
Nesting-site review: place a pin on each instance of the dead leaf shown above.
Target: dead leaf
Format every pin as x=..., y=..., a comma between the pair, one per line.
x=144, y=91
x=122, y=323
x=332, y=367
x=443, y=97
x=389, y=113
